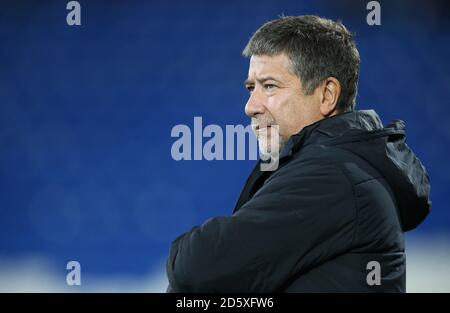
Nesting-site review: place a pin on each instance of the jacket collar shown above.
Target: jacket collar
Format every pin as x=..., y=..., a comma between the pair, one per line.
x=332, y=127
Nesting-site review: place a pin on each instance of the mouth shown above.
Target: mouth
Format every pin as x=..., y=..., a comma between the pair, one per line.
x=263, y=131
x=261, y=127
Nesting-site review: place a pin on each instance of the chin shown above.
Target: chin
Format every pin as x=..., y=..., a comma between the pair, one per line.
x=265, y=148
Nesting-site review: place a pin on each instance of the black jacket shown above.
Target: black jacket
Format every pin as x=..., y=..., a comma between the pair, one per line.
x=345, y=191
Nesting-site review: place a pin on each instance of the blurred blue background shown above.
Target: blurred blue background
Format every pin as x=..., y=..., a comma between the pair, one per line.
x=86, y=114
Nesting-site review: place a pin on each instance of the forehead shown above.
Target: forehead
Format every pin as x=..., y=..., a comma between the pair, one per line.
x=264, y=65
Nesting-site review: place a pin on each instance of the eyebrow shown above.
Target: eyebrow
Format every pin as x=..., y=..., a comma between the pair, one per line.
x=261, y=80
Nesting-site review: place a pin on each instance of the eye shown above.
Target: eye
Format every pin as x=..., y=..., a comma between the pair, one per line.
x=250, y=88
x=269, y=87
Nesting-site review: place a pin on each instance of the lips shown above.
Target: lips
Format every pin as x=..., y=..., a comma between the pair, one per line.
x=258, y=127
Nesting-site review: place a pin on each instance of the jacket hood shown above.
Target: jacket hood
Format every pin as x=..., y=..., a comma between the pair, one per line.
x=385, y=148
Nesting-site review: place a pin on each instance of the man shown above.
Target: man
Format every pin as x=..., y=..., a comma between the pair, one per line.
x=331, y=217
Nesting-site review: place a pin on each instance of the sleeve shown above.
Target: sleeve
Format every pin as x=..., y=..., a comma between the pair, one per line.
x=302, y=216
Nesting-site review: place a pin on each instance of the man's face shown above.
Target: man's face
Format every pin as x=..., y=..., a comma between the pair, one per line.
x=277, y=98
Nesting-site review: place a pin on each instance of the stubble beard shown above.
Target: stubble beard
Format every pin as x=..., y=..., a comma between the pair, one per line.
x=270, y=141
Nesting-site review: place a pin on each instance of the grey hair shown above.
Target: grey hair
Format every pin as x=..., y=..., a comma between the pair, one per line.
x=318, y=48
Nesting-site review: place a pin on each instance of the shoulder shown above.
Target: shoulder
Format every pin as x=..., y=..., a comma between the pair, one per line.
x=313, y=169
x=336, y=160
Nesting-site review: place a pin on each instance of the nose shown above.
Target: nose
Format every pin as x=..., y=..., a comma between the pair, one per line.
x=255, y=104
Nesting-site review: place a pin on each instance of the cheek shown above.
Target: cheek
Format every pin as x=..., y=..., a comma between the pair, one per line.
x=283, y=110
x=276, y=106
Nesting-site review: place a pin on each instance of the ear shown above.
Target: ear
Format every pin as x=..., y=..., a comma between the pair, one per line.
x=330, y=91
